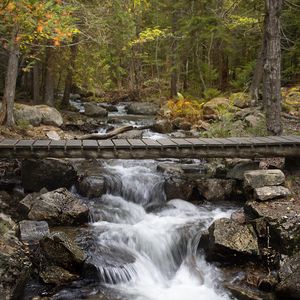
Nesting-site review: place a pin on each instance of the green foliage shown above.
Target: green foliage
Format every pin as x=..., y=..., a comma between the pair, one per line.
x=211, y=93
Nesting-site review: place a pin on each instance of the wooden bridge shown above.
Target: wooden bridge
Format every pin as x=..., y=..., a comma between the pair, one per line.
x=258, y=147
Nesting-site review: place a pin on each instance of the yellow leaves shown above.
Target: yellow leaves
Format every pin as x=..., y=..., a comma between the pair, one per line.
x=10, y=7
x=40, y=28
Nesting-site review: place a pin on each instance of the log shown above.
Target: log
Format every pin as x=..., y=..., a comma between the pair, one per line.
x=104, y=136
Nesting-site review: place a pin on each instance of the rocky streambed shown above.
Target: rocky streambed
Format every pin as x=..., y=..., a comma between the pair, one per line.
x=171, y=229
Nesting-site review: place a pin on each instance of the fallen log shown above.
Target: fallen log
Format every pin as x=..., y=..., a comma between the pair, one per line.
x=104, y=136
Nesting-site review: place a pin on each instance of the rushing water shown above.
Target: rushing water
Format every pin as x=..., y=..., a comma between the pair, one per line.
x=160, y=238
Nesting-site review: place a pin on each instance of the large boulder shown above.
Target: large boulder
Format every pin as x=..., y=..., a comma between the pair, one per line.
x=93, y=110
x=50, y=115
x=283, y=219
x=47, y=173
x=271, y=192
x=33, y=231
x=289, y=275
x=91, y=186
x=59, y=207
x=213, y=189
x=212, y=107
x=231, y=242
x=14, y=264
x=142, y=108
x=238, y=170
x=261, y=178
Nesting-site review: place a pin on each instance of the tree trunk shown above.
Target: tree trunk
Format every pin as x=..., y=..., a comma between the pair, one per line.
x=174, y=73
x=49, y=77
x=69, y=78
x=36, y=84
x=10, y=82
x=272, y=67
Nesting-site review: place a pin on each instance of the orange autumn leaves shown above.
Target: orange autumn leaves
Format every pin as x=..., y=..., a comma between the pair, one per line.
x=39, y=20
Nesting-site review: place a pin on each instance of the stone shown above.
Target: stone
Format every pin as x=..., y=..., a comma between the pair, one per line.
x=27, y=113
x=231, y=242
x=238, y=171
x=15, y=265
x=185, y=126
x=57, y=275
x=47, y=173
x=50, y=115
x=170, y=168
x=241, y=100
x=253, y=121
x=53, y=135
x=210, y=109
x=178, y=187
x=93, y=110
x=162, y=126
x=271, y=192
x=59, y=250
x=261, y=178
x=32, y=231
x=239, y=217
x=59, y=207
x=132, y=134
x=289, y=277
x=214, y=189
x=91, y=186
x=283, y=219
x=142, y=108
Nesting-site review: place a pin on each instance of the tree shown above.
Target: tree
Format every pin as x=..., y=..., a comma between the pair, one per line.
x=272, y=66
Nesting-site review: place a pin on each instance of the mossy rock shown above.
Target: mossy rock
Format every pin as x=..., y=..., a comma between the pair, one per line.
x=241, y=100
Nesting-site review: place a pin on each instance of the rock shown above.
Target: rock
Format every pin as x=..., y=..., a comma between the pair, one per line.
x=27, y=113
x=229, y=241
x=50, y=115
x=49, y=173
x=283, y=219
x=163, y=126
x=93, y=110
x=53, y=135
x=132, y=134
x=170, y=168
x=210, y=109
x=75, y=96
x=178, y=187
x=14, y=264
x=271, y=192
x=142, y=108
x=31, y=231
x=253, y=121
x=239, y=217
x=92, y=186
x=59, y=207
x=59, y=250
x=238, y=171
x=57, y=275
x=241, y=100
x=214, y=189
x=289, y=275
x=261, y=178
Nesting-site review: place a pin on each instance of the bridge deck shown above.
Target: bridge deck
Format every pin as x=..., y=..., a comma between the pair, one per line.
x=279, y=146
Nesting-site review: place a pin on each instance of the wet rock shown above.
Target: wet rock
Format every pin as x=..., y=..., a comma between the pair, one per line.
x=238, y=171
x=59, y=250
x=179, y=187
x=289, y=275
x=57, y=275
x=213, y=189
x=142, y=108
x=170, y=168
x=59, y=207
x=239, y=217
x=283, y=219
x=49, y=173
x=229, y=241
x=91, y=186
x=93, y=110
x=271, y=192
x=261, y=178
x=32, y=231
x=14, y=263
x=163, y=126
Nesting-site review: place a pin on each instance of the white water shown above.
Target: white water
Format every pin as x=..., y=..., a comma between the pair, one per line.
x=163, y=243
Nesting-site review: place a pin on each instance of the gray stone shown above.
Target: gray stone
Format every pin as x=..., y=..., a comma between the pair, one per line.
x=59, y=207
x=57, y=275
x=50, y=115
x=261, y=178
x=229, y=241
x=47, y=173
x=162, y=126
x=271, y=192
x=26, y=113
x=213, y=189
x=238, y=171
x=93, y=110
x=142, y=108
x=31, y=231
x=253, y=121
x=178, y=187
x=92, y=186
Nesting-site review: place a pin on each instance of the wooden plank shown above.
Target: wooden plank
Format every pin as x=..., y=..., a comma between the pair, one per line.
x=241, y=141
x=137, y=143
x=121, y=144
x=196, y=142
x=182, y=143
x=150, y=143
x=73, y=144
x=41, y=144
x=58, y=144
x=295, y=139
x=25, y=143
x=106, y=144
x=90, y=144
x=269, y=141
x=226, y=142
x=167, y=143
x=211, y=142
x=8, y=143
